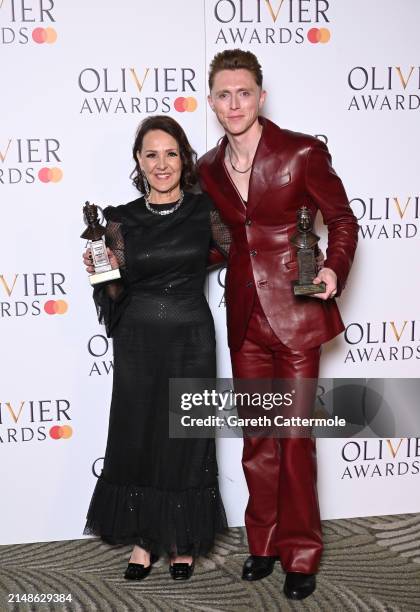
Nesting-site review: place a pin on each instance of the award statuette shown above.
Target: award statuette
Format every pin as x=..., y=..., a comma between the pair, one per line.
x=306, y=243
x=94, y=233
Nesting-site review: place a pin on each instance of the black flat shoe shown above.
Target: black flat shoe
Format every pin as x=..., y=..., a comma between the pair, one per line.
x=298, y=585
x=181, y=571
x=137, y=571
x=256, y=567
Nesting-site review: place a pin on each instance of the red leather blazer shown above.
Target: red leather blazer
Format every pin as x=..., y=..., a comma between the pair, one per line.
x=290, y=169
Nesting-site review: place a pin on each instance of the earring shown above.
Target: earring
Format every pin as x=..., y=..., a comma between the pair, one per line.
x=145, y=184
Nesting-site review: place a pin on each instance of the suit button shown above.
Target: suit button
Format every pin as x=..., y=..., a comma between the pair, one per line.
x=253, y=253
x=249, y=284
x=248, y=222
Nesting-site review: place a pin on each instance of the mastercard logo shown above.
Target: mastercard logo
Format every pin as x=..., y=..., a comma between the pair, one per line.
x=50, y=175
x=44, y=35
x=53, y=307
x=319, y=35
x=61, y=431
x=183, y=105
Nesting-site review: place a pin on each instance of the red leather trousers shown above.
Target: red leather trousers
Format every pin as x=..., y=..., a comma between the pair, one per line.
x=282, y=516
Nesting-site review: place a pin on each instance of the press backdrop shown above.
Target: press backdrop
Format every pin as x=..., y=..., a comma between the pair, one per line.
x=75, y=80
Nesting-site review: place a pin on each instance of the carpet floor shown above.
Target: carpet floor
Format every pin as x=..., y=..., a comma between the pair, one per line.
x=369, y=564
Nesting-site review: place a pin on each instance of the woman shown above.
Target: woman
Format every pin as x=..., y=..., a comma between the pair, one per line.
x=158, y=493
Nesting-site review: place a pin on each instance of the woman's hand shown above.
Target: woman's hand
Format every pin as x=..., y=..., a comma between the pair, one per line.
x=87, y=260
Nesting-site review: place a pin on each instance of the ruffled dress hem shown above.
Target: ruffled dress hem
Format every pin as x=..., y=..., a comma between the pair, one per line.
x=160, y=521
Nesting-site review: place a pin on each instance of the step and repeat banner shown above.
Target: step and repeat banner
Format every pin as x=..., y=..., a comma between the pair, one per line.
x=76, y=79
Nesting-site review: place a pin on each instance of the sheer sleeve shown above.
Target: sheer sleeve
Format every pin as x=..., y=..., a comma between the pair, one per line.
x=220, y=232
x=220, y=240
x=110, y=308
x=115, y=241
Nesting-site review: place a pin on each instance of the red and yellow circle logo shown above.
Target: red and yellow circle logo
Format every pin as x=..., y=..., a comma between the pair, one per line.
x=50, y=175
x=183, y=105
x=44, y=35
x=319, y=35
x=53, y=307
x=63, y=432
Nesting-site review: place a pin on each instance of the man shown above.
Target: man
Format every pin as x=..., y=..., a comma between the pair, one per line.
x=258, y=177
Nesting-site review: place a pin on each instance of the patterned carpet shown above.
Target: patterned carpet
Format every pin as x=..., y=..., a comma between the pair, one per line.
x=369, y=564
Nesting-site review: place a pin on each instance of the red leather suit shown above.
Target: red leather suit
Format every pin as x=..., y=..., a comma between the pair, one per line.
x=272, y=333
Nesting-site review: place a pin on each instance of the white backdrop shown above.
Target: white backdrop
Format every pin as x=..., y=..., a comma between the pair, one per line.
x=70, y=106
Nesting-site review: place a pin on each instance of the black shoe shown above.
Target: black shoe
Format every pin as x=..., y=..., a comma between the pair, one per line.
x=298, y=585
x=181, y=571
x=256, y=568
x=137, y=571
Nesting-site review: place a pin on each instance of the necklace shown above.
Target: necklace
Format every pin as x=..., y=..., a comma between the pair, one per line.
x=236, y=169
x=165, y=212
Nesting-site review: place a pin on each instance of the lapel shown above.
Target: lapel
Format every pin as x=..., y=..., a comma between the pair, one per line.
x=262, y=168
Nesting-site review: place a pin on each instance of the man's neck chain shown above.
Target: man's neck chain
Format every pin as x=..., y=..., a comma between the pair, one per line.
x=231, y=163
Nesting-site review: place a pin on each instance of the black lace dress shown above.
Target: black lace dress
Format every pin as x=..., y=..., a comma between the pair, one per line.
x=154, y=491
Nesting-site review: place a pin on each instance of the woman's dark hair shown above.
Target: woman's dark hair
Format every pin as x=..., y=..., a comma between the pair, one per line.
x=188, y=155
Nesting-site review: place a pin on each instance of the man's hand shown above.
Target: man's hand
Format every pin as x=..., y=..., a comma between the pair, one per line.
x=87, y=260
x=329, y=277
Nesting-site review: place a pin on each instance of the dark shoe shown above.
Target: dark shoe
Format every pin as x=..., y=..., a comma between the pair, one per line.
x=298, y=585
x=181, y=571
x=256, y=568
x=137, y=571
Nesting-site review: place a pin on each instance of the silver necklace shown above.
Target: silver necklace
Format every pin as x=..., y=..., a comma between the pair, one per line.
x=236, y=169
x=169, y=211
